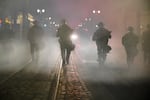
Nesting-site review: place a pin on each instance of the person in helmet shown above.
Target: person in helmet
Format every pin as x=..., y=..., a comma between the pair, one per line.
x=101, y=36
x=130, y=41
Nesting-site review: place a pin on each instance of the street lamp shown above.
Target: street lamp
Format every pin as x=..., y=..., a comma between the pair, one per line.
x=96, y=11
x=40, y=11
x=50, y=18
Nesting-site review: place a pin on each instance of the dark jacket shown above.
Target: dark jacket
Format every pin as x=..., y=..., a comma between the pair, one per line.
x=102, y=35
x=35, y=34
x=130, y=40
x=64, y=33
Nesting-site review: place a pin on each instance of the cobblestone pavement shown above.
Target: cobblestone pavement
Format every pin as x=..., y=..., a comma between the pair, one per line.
x=71, y=87
x=34, y=83
x=27, y=85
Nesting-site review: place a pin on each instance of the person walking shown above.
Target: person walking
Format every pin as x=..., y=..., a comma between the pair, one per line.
x=35, y=37
x=130, y=41
x=66, y=45
x=101, y=37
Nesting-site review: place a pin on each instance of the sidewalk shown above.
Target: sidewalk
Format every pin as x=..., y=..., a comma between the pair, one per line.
x=71, y=86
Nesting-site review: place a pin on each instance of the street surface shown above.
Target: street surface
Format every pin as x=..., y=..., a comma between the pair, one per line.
x=82, y=79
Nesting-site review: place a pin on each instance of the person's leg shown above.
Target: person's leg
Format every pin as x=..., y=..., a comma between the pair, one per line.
x=32, y=48
x=68, y=55
x=37, y=50
x=128, y=56
x=62, y=53
x=98, y=50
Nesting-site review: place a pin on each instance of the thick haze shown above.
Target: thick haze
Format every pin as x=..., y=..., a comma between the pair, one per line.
x=115, y=14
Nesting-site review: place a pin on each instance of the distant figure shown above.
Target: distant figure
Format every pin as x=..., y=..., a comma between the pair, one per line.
x=101, y=37
x=64, y=33
x=130, y=41
x=146, y=44
x=35, y=36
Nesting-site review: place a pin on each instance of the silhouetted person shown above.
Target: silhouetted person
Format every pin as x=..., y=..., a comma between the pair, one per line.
x=101, y=37
x=35, y=36
x=146, y=44
x=64, y=33
x=130, y=41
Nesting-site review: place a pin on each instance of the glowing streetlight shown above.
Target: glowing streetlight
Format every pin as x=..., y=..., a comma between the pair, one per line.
x=98, y=11
x=50, y=18
x=43, y=10
x=54, y=22
x=40, y=11
x=94, y=11
x=45, y=25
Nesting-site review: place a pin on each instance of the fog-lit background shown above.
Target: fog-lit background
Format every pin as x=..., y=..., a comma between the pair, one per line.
x=82, y=16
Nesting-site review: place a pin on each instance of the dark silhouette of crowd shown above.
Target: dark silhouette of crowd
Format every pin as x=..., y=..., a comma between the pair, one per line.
x=101, y=37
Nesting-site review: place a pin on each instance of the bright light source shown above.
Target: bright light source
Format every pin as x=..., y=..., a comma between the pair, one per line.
x=38, y=10
x=98, y=11
x=74, y=36
x=50, y=18
x=94, y=11
x=43, y=10
x=45, y=25
x=96, y=25
x=54, y=22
